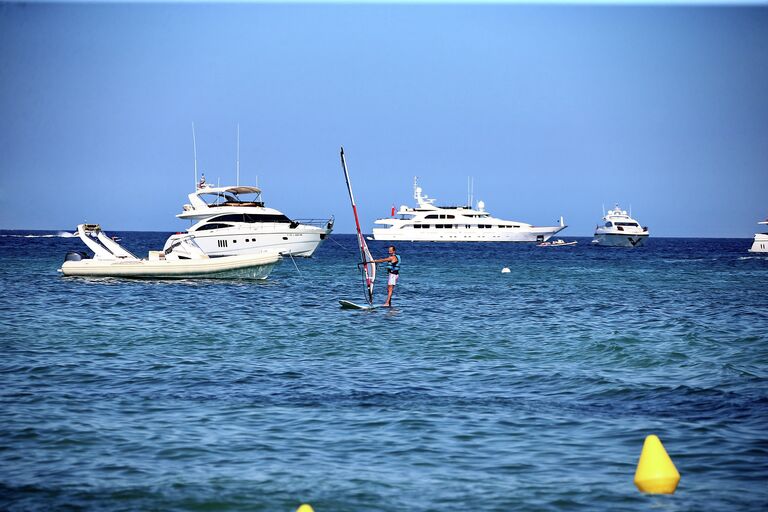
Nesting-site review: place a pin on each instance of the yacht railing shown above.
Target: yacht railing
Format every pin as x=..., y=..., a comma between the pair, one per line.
x=318, y=223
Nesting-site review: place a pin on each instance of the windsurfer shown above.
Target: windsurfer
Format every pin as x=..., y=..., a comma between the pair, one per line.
x=393, y=271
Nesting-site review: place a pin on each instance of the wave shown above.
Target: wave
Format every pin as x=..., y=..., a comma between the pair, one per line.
x=60, y=234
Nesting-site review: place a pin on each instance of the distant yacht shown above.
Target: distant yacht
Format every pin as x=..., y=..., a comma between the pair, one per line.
x=429, y=223
x=620, y=230
x=761, y=240
x=233, y=220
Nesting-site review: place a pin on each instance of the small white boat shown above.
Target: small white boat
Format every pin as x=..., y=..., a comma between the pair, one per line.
x=760, y=244
x=557, y=243
x=110, y=259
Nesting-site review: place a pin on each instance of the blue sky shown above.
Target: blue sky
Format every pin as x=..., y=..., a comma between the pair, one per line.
x=552, y=109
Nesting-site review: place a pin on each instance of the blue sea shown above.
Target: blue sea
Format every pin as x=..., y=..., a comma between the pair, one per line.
x=479, y=391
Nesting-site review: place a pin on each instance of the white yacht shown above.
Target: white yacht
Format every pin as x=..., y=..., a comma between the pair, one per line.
x=620, y=230
x=761, y=240
x=233, y=220
x=429, y=223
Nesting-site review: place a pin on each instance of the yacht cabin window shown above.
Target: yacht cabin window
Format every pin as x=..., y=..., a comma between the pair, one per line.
x=206, y=227
x=252, y=218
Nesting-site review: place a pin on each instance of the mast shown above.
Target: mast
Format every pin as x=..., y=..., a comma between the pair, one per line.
x=238, y=154
x=194, y=151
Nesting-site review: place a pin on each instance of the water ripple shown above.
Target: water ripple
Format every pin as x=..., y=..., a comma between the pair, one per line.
x=531, y=390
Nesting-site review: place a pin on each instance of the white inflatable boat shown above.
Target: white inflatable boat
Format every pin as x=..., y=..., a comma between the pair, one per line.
x=110, y=259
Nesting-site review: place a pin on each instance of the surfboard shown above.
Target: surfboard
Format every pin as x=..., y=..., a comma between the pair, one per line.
x=345, y=304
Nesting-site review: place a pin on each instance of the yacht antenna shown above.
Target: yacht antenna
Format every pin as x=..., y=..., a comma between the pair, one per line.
x=603, y=209
x=469, y=200
x=238, y=154
x=194, y=151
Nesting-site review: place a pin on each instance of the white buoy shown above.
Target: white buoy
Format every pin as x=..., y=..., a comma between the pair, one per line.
x=505, y=270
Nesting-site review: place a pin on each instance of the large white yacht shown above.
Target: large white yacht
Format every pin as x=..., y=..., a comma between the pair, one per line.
x=233, y=220
x=761, y=240
x=620, y=230
x=429, y=223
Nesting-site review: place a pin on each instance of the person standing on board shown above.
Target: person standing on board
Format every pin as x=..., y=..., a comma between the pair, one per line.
x=393, y=269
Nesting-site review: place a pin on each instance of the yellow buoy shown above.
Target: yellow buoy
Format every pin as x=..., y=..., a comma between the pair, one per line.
x=305, y=508
x=656, y=474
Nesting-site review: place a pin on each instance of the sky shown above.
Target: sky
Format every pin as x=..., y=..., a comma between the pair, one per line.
x=552, y=108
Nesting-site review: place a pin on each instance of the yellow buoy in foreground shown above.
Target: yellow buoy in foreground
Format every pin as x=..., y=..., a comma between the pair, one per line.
x=656, y=474
x=305, y=508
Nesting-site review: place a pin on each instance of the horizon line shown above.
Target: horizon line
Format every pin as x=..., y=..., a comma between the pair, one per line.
x=370, y=234
x=615, y=3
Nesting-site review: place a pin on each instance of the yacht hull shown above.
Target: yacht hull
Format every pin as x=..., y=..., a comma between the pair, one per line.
x=239, y=242
x=760, y=243
x=620, y=240
x=494, y=234
x=243, y=267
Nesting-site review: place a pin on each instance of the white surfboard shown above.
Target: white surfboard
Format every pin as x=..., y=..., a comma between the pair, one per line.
x=345, y=304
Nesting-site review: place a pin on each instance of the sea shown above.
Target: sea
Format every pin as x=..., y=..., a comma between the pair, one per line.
x=532, y=389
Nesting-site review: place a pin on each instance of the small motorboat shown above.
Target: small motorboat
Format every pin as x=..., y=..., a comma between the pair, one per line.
x=110, y=259
x=556, y=243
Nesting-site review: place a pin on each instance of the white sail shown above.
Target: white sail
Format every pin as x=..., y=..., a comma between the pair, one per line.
x=367, y=267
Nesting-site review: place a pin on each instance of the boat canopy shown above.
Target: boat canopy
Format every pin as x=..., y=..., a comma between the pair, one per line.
x=207, y=196
x=230, y=190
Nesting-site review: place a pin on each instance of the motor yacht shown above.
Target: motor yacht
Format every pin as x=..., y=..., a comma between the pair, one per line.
x=620, y=230
x=233, y=220
x=184, y=259
x=430, y=223
x=761, y=240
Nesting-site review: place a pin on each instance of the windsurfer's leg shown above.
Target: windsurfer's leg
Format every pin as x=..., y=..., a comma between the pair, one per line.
x=390, y=289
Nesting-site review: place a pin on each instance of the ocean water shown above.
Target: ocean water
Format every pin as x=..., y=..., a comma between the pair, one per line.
x=531, y=390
